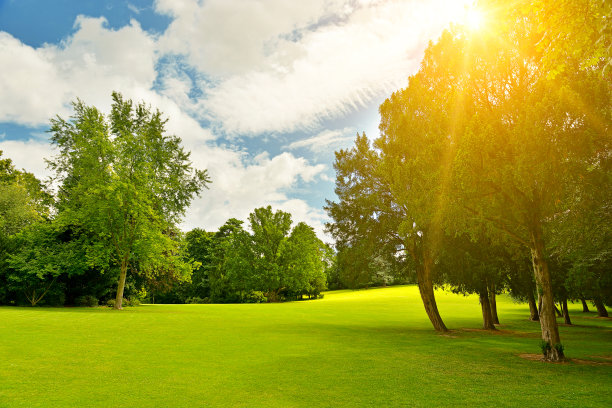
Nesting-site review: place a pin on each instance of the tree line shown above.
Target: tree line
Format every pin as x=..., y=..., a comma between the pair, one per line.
x=110, y=231
x=492, y=168
x=271, y=262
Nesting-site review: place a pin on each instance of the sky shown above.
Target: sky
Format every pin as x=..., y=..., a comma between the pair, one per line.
x=262, y=92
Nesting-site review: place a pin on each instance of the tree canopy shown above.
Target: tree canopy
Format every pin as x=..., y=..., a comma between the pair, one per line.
x=126, y=181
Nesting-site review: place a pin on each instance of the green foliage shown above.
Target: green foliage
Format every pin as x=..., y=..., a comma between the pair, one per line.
x=129, y=302
x=197, y=300
x=86, y=301
x=127, y=182
x=576, y=30
x=545, y=347
x=274, y=260
x=255, y=296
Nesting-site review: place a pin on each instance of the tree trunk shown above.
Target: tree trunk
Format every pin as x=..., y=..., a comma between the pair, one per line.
x=427, y=294
x=585, y=307
x=121, y=285
x=487, y=317
x=493, y=303
x=601, y=308
x=557, y=311
x=548, y=321
x=534, y=315
x=566, y=316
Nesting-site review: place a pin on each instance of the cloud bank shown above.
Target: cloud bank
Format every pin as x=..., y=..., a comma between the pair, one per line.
x=229, y=69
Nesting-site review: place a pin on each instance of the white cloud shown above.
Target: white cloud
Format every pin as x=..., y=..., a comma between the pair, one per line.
x=28, y=155
x=325, y=140
x=240, y=185
x=226, y=37
x=28, y=84
x=280, y=66
x=260, y=66
x=134, y=8
x=39, y=83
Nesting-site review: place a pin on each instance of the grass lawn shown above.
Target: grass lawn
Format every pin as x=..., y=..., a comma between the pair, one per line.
x=365, y=348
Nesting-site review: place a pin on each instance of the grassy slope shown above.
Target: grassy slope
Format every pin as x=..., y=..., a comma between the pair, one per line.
x=367, y=348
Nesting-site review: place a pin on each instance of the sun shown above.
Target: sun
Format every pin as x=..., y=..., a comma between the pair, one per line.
x=473, y=18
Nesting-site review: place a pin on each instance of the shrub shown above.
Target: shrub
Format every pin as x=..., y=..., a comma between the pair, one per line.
x=131, y=302
x=255, y=296
x=86, y=301
x=197, y=300
x=126, y=302
x=545, y=347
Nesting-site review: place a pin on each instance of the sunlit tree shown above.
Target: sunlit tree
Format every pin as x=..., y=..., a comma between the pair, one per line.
x=122, y=178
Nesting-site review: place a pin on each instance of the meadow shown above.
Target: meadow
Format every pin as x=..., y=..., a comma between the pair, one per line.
x=353, y=348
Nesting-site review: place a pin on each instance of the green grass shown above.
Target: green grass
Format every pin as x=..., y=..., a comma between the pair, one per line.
x=366, y=348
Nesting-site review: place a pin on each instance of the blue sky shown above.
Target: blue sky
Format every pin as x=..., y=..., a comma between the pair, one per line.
x=261, y=91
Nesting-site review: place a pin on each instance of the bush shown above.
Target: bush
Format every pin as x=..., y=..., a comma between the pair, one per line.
x=545, y=347
x=197, y=300
x=86, y=301
x=126, y=302
x=131, y=302
x=255, y=296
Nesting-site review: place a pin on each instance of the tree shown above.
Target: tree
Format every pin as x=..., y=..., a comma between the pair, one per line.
x=521, y=284
x=575, y=29
x=199, y=245
x=221, y=257
x=528, y=141
x=23, y=199
x=274, y=259
x=126, y=181
x=302, y=258
x=43, y=252
x=474, y=267
x=366, y=221
x=23, y=202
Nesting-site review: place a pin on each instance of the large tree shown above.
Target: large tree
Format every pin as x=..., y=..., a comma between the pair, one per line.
x=122, y=178
x=529, y=139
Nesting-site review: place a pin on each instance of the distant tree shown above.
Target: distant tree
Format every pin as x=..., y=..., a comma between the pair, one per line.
x=332, y=276
x=23, y=199
x=23, y=202
x=274, y=259
x=270, y=230
x=521, y=283
x=199, y=245
x=126, y=181
x=474, y=267
x=302, y=260
x=42, y=254
x=220, y=258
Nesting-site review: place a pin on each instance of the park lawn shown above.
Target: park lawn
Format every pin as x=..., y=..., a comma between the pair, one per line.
x=363, y=348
